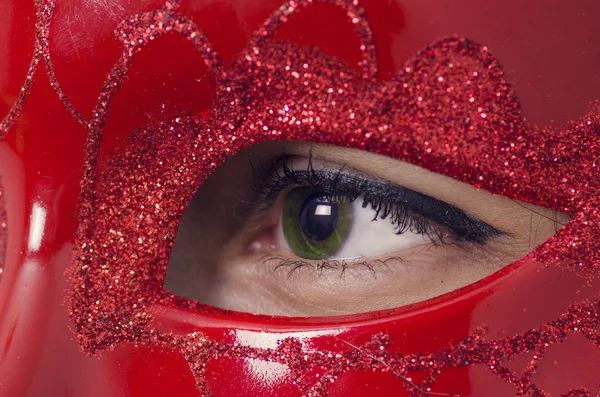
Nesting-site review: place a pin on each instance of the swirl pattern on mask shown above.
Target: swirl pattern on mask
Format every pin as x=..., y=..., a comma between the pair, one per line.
x=449, y=110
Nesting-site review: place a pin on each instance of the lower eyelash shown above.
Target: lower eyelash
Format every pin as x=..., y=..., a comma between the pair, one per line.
x=295, y=264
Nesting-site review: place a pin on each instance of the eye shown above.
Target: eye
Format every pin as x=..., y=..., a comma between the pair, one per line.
x=317, y=224
x=350, y=217
x=299, y=229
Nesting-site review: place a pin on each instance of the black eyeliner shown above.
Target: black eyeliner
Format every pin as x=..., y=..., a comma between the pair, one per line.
x=406, y=208
x=380, y=196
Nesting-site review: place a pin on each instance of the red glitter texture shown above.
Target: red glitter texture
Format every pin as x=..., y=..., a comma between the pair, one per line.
x=3, y=230
x=449, y=110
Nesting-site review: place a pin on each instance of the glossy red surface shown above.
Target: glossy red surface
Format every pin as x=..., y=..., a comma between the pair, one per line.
x=555, y=74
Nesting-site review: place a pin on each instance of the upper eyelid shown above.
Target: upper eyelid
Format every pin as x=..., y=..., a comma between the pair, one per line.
x=341, y=171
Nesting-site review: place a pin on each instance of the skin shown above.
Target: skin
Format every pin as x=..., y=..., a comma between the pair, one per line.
x=242, y=273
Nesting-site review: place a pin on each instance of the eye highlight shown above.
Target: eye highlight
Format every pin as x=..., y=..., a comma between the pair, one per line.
x=315, y=230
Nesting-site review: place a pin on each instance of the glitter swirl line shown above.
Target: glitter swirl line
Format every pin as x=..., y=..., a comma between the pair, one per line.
x=169, y=160
x=374, y=355
x=9, y=121
x=45, y=12
x=101, y=328
x=136, y=33
x=353, y=10
x=582, y=318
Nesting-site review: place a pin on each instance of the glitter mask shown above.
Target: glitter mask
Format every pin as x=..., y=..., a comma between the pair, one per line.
x=449, y=109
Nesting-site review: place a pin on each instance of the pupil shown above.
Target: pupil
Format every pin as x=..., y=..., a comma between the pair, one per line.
x=319, y=216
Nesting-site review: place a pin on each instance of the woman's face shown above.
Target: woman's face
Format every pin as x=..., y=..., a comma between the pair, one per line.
x=429, y=226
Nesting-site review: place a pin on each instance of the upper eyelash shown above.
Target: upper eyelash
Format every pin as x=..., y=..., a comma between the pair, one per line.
x=270, y=184
x=409, y=209
x=406, y=208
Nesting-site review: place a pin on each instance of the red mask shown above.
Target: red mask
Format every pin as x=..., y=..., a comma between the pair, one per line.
x=86, y=234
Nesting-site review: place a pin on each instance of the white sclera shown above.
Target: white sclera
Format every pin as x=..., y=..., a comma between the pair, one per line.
x=369, y=237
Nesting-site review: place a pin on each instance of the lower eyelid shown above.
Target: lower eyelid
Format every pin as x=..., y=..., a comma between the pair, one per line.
x=372, y=284
x=283, y=262
x=424, y=259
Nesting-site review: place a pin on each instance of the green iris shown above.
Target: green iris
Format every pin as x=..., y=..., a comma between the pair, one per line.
x=315, y=222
